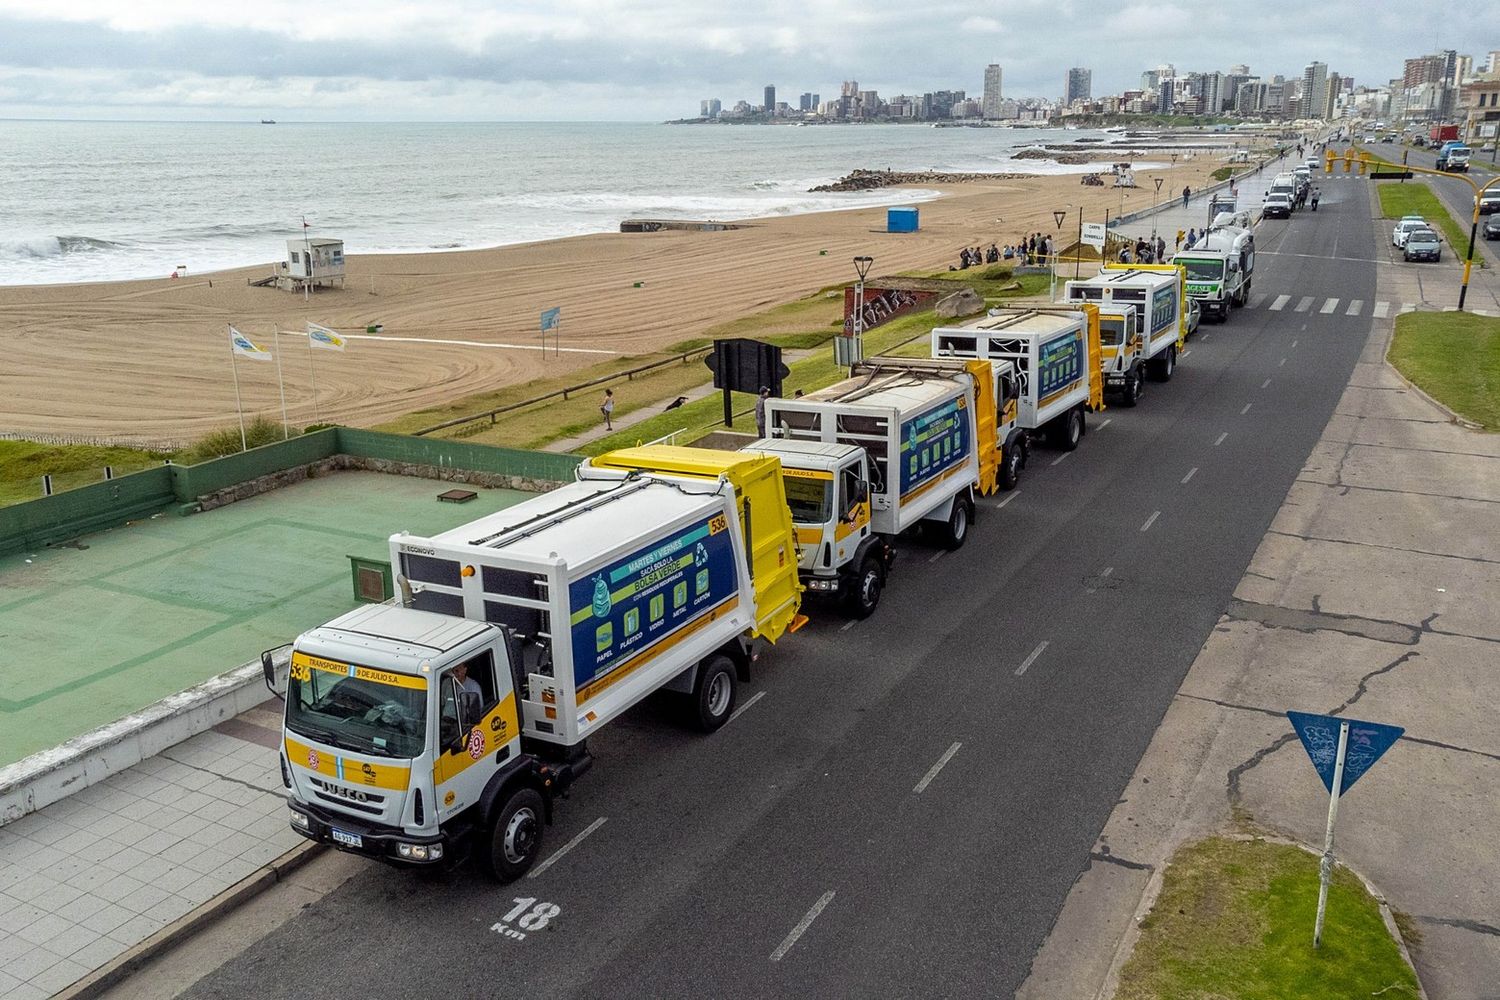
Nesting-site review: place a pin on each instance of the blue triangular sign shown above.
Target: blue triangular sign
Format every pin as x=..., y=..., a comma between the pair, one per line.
x=1319, y=734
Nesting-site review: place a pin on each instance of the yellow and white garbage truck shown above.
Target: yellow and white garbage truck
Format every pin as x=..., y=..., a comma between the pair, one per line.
x=1051, y=353
x=419, y=730
x=902, y=442
x=1142, y=322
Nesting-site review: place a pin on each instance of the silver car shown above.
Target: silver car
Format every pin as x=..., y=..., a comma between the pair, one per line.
x=1405, y=228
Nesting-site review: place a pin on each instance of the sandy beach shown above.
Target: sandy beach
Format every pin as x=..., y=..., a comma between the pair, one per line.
x=148, y=361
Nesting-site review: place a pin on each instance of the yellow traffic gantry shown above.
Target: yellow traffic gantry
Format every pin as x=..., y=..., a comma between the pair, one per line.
x=1328, y=157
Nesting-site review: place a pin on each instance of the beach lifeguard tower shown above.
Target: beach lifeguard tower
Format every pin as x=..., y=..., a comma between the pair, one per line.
x=314, y=263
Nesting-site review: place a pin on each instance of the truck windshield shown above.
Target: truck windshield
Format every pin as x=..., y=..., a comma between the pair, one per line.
x=1111, y=331
x=1202, y=270
x=366, y=711
x=809, y=499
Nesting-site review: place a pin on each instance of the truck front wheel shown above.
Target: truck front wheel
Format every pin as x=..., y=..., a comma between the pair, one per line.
x=516, y=836
x=1131, y=393
x=713, y=697
x=863, y=596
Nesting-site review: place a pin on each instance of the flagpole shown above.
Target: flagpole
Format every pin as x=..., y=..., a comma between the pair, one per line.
x=280, y=383
x=312, y=373
x=237, y=407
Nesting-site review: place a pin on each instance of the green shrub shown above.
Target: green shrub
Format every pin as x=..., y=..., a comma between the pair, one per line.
x=1222, y=174
x=226, y=440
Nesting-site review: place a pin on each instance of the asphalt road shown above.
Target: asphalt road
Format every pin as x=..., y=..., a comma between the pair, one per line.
x=904, y=803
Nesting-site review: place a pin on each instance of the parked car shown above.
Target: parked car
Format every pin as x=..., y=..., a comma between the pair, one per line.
x=1278, y=206
x=1405, y=228
x=1422, y=244
x=1194, y=315
x=1492, y=228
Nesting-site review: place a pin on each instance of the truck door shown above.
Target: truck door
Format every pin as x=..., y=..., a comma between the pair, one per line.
x=477, y=730
x=853, y=509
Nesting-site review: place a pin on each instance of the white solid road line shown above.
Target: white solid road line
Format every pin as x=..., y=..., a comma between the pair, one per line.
x=1246, y=409
x=1329, y=306
x=802, y=926
x=1280, y=303
x=1191, y=472
x=596, y=824
x=1008, y=498
x=757, y=697
x=1354, y=307
x=1151, y=520
x=1305, y=304
x=1059, y=458
x=1382, y=310
x=1032, y=658
x=1221, y=439
x=932, y=772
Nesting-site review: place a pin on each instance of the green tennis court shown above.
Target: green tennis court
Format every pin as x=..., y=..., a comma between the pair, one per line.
x=105, y=626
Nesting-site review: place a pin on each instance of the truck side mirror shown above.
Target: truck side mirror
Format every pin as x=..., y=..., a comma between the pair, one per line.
x=268, y=671
x=861, y=492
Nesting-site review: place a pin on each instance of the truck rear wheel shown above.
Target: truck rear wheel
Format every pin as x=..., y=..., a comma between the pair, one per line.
x=1131, y=393
x=714, y=694
x=1067, y=431
x=1163, y=365
x=516, y=836
x=863, y=596
x=956, y=531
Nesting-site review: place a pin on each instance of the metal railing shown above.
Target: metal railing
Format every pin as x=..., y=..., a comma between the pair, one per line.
x=564, y=393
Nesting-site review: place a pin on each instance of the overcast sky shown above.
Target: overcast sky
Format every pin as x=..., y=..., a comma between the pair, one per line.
x=476, y=60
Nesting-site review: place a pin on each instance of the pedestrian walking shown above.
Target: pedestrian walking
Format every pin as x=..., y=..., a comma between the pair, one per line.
x=760, y=411
x=1161, y=250
x=1186, y=193
x=607, y=407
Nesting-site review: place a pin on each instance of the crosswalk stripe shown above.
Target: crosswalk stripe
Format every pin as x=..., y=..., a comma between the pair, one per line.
x=1329, y=306
x=1354, y=307
x=1280, y=303
x=1382, y=310
x=1305, y=304
x=1257, y=300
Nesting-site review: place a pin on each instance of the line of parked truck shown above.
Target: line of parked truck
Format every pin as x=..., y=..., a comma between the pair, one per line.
x=449, y=721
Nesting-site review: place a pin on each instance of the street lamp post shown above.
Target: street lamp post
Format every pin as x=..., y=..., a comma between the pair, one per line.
x=1158, y=181
x=1058, y=216
x=857, y=354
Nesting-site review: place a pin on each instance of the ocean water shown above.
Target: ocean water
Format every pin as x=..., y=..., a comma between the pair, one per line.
x=92, y=201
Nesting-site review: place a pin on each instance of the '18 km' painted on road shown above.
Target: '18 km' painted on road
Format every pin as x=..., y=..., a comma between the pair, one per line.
x=533, y=916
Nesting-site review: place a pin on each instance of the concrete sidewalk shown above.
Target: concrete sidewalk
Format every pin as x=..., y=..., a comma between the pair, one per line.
x=86, y=879
x=1372, y=596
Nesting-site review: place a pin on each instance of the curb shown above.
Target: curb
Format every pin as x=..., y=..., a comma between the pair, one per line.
x=1125, y=947
x=1453, y=418
x=252, y=885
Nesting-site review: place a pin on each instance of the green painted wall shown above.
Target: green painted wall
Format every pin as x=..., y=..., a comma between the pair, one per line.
x=54, y=519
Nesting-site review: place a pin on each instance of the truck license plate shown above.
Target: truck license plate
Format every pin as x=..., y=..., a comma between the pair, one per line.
x=347, y=839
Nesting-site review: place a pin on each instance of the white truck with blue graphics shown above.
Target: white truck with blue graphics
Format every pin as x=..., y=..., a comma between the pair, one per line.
x=1142, y=323
x=419, y=731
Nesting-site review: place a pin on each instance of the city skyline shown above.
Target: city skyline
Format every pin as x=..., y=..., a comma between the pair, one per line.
x=486, y=60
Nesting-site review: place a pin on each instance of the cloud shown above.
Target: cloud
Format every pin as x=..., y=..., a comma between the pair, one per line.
x=634, y=59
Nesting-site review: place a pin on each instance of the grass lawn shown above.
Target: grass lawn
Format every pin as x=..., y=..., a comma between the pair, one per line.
x=1455, y=359
x=1235, y=920
x=23, y=463
x=1398, y=199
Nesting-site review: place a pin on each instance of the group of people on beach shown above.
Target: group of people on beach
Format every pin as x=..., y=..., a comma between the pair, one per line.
x=1036, y=248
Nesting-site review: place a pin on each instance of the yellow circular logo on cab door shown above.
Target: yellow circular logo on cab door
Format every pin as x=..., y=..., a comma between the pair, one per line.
x=448, y=799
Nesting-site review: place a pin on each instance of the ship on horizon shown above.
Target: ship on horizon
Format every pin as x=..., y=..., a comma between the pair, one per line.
x=268, y=121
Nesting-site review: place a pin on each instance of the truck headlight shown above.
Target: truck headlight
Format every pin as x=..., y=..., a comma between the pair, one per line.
x=301, y=822
x=420, y=852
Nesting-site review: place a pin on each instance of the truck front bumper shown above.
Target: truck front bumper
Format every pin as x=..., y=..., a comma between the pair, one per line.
x=373, y=840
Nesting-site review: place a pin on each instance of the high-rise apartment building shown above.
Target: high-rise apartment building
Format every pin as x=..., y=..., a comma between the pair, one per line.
x=1314, y=90
x=769, y=107
x=1080, y=85
x=1239, y=69
x=990, y=106
x=1331, y=97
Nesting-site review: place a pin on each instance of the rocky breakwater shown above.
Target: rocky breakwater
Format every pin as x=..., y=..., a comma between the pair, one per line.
x=868, y=180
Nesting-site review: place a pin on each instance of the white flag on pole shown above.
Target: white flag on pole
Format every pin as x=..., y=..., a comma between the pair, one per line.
x=245, y=348
x=322, y=337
